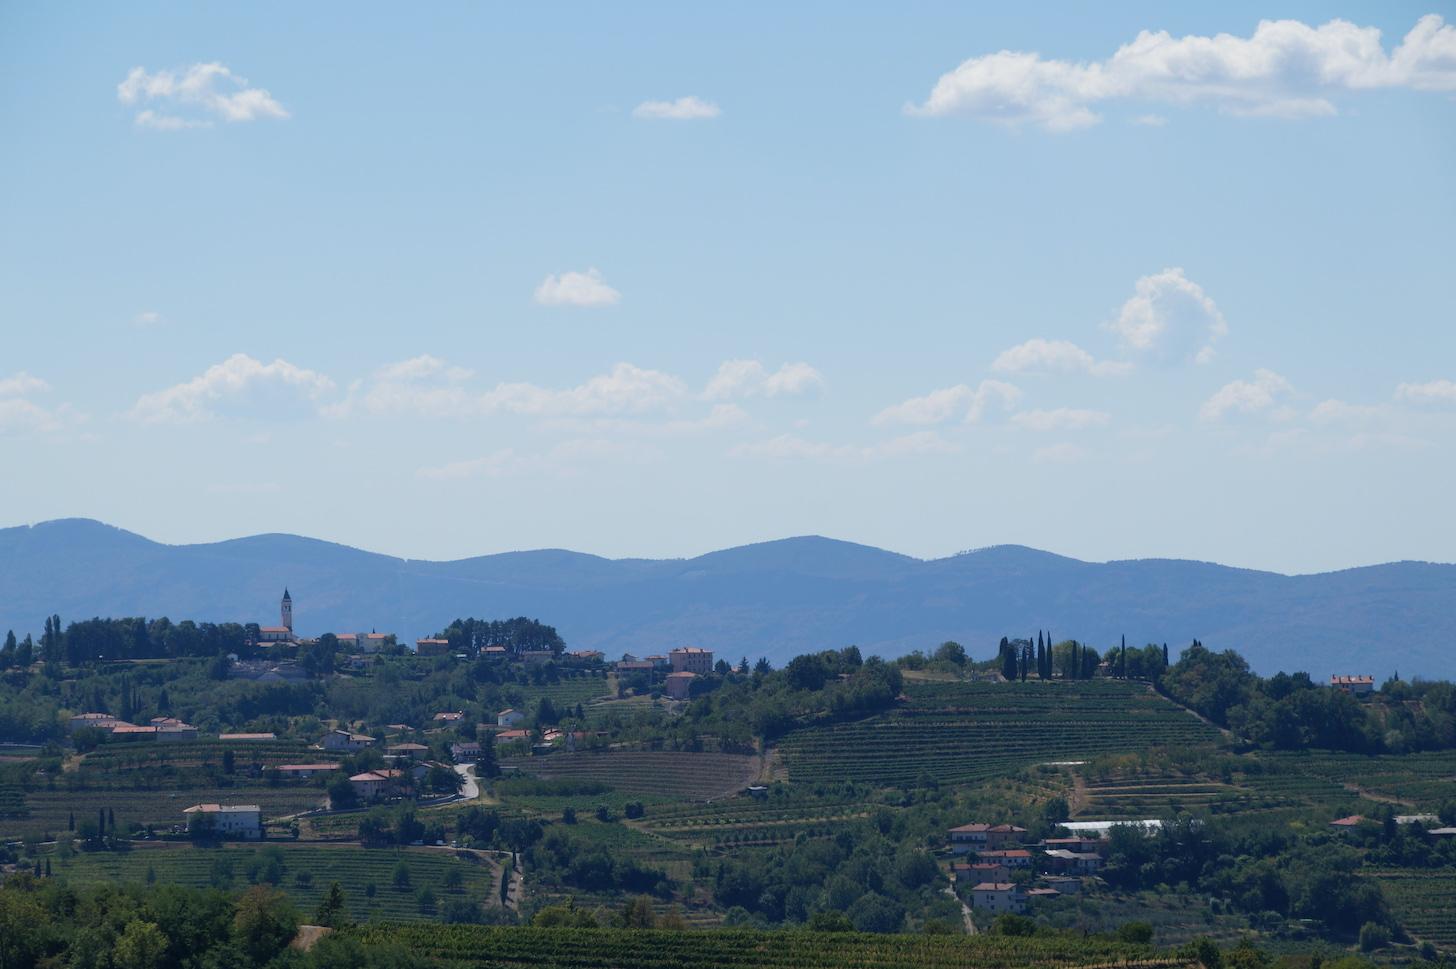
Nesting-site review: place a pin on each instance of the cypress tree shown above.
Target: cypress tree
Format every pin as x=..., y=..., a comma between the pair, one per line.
x=1165, y=655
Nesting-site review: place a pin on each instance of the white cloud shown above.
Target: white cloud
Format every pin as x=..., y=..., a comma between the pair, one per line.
x=1285, y=69
x=1060, y=419
x=1150, y=120
x=683, y=109
x=750, y=378
x=1056, y=356
x=576, y=289
x=1169, y=317
x=239, y=384
x=943, y=405
x=147, y=318
x=20, y=384
x=195, y=97
x=1246, y=396
x=1063, y=453
x=427, y=386
x=1431, y=392
x=793, y=447
x=20, y=414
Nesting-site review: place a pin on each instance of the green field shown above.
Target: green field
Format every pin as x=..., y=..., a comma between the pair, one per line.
x=1422, y=780
x=121, y=757
x=662, y=773
x=355, y=868
x=481, y=947
x=746, y=821
x=959, y=732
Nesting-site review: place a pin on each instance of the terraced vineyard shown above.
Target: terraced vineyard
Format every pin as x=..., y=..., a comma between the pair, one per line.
x=742, y=821
x=1422, y=780
x=481, y=947
x=269, y=753
x=958, y=732
x=564, y=692
x=49, y=811
x=353, y=867
x=676, y=774
x=1158, y=795
x=1425, y=903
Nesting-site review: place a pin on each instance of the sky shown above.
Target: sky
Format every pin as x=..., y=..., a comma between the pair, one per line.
x=655, y=279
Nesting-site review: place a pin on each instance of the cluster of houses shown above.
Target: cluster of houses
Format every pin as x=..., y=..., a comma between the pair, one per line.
x=1430, y=822
x=678, y=668
x=997, y=853
x=158, y=728
x=1357, y=685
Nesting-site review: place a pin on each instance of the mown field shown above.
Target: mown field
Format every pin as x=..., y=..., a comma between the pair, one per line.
x=480, y=947
x=959, y=732
x=662, y=773
x=303, y=871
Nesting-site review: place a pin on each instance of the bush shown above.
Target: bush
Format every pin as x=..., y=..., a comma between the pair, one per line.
x=1137, y=933
x=1373, y=936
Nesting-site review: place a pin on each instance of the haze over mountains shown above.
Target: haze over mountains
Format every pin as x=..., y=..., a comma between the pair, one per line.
x=774, y=599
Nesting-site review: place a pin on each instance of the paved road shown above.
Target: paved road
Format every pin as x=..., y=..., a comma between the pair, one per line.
x=470, y=790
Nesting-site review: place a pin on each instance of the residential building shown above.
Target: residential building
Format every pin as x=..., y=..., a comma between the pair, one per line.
x=1042, y=893
x=634, y=666
x=1001, y=835
x=512, y=736
x=1010, y=857
x=495, y=652
x=305, y=771
x=537, y=656
x=412, y=751
x=467, y=751
x=374, y=642
x=245, y=737
x=1073, y=862
x=998, y=897
x=226, y=820
x=130, y=731
x=509, y=717
x=345, y=741
x=1358, y=685
x=1347, y=823
x=973, y=873
x=691, y=659
x=1066, y=884
x=449, y=716
x=370, y=785
x=101, y=721
x=968, y=838
x=1074, y=844
x=679, y=684
x=432, y=647
x=173, y=730
x=587, y=656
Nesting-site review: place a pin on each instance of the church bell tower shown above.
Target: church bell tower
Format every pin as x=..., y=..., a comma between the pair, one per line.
x=287, y=611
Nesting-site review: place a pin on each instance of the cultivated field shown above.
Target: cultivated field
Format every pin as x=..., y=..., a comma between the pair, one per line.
x=959, y=732
x=676, y=774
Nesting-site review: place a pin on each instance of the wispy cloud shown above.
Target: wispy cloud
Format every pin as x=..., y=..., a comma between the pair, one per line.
x=750, y=378
x=194, y=97
x=21, y=414
x=1246, y=396
x=794, y=447
x=1430, y=392
x=963, y=401
x=1038, y=355
x=1285, y=69
x=1060, y=419
x=688, y=108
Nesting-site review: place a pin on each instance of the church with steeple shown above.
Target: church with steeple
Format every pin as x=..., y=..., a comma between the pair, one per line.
x=282, y=633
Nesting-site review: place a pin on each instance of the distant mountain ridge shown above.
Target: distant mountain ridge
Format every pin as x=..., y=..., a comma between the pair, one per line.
x=774, y=599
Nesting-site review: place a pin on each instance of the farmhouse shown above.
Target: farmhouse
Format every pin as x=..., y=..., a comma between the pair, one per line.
x=173, y=730
x=412, y=751
x=1001, y=835
x=691, y=659
x=998, y=897
x=968, y=838
x=1358, y=685
x=225, y=820
x=374, y=784
x=511, y=736
x=509, y=718
x=679, y=685
x=495, y=652
x=346, y=741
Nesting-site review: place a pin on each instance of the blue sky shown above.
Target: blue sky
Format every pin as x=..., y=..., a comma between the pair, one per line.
x=659, y=279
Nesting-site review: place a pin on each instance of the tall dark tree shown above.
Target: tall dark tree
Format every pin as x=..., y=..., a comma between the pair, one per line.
x=1008, y=660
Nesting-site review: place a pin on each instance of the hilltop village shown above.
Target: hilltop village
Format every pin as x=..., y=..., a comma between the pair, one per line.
x=488, y=773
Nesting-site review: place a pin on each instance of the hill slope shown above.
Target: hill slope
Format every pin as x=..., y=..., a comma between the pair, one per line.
x=775, y=599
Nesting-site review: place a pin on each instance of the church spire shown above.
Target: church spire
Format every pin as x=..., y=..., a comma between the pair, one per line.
x=287, y=610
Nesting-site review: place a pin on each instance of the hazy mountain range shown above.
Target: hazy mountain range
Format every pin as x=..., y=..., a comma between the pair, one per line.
x=773, y=599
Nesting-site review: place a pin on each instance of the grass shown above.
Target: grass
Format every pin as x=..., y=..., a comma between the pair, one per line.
x=355, y=868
